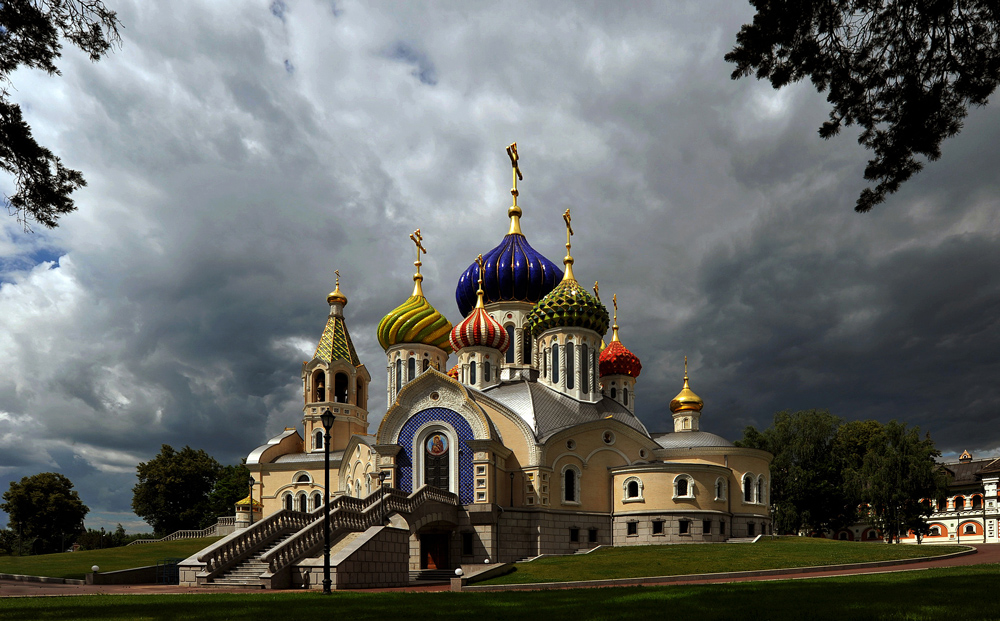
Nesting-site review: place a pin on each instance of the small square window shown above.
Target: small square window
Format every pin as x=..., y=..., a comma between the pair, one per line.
x=480, y=469
x=574, y=535
x=632, y=529
x=658, y=527
x=706, y=527
x=684, y=527
x=480, y=496
x=592, y=535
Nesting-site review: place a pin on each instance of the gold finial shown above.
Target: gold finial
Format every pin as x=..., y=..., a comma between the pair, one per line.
x=568, y=259
x=480, y=293
x=614, y=328
x=686, y=400
x=597, y=290
x=417, y=239
x=514, y=213
x=337, y=295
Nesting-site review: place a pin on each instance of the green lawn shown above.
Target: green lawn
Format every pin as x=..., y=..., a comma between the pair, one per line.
x=76, y=564
x=697, y=558
x=966, y=593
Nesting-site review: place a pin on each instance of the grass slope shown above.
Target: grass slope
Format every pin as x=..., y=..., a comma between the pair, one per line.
x=966, y=593
x=76, y=564
x=641, y=561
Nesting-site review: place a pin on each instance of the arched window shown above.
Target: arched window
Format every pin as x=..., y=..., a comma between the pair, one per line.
x=317, y=501
x=319, y=440
x=748, y=488
x=472, y=372
x=288, y=502
x=942, y=505
x=357, y=483
x=624, y=396
x=510, y=347
x=977, y=502
x=570, y=366
x=959, y=503
x=614, y=392
x=319, y=382
x=399, y=374
x=633, y=489
x=359, y=394
x=525, y=349
x=302, y=478
x=486, y=371
x=555, y=363
x=970, y=529
x=683, y=486
x=302, y=503
x=571, y=485
x=340, y=387
x=545, y=364
x=411, y=369
x=759, y=491
x=427, y=364
x=584, y=369
x=935, y=531
x=720, y=489
x=842, y=536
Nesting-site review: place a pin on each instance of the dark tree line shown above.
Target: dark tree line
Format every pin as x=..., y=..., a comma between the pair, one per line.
x=828, y=474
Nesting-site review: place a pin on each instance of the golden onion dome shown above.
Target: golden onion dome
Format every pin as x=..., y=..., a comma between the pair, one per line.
x=415, y=320
x=686, y=400
x=336, y=295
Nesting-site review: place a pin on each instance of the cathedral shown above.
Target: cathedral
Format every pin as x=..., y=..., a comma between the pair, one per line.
x=528, y=444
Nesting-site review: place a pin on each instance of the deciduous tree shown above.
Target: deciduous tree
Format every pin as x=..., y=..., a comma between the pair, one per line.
x=173, y=489
x=905, y=71
x=44, y=507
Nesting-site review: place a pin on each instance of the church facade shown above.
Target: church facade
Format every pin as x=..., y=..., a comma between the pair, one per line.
x=531, y=430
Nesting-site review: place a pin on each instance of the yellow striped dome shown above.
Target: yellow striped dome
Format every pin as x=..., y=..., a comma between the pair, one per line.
x=415, y=321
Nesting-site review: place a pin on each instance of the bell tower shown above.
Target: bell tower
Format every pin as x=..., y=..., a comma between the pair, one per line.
x=336, y=380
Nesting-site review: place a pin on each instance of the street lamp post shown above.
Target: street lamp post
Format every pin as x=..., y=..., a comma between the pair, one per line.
x=327, y=418
x=252, y=483
x=381, y=483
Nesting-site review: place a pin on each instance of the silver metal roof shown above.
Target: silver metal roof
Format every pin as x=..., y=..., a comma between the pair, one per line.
x=691, y=439
x=548, y=412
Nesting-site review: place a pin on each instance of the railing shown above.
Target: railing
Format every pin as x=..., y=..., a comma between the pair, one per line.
x=349, y=514
x=191, y=534
x=228, y=552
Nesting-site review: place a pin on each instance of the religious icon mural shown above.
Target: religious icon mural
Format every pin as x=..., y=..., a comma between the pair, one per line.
x=437, y=444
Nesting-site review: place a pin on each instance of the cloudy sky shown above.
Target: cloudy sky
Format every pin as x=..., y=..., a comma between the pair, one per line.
x=239, y=152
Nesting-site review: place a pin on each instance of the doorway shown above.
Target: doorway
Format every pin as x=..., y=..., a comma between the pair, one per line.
x=434, y=550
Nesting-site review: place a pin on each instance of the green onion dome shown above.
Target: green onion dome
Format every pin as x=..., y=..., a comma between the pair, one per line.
x=568, y=306
x=415, y=321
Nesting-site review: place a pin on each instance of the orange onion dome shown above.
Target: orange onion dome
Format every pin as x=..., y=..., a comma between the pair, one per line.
x=616, y=359
x=453, y=372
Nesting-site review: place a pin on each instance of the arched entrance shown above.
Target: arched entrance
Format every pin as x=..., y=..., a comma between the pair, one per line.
x=435, y=545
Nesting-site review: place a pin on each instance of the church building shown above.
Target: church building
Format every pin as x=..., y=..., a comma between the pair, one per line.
x=527, y=444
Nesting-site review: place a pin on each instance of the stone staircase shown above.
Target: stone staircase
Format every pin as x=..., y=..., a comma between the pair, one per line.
x=247, y=574
x=435, y=575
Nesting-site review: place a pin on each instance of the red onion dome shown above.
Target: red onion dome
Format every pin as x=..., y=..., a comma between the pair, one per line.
x=616, y=359
x=453, y=372
x=479, y=329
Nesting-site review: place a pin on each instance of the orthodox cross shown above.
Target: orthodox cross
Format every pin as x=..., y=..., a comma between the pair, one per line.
x=614, y=300
x=337, y=272
x=479, y=261
x=512, y=154
x=597, y=290
x=568, y=259
x=417, y=238
x=685, y=368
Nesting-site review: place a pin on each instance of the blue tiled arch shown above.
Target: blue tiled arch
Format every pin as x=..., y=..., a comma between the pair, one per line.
x=404, y=459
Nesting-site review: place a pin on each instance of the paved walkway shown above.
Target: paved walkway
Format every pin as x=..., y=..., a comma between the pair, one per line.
x=986, y=553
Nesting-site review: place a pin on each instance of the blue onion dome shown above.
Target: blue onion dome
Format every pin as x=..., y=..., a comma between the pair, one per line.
x=568, y=305
x=513, y=271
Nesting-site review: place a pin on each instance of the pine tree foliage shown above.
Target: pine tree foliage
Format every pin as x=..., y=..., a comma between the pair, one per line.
x=30, y=35
x=904, y=71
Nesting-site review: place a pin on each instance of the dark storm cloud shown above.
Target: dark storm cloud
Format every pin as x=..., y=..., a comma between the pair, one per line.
x=237, y=154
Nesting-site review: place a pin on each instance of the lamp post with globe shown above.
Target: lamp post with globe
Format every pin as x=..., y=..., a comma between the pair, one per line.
x=327, y=419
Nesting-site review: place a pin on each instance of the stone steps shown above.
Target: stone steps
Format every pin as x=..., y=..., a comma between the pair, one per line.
x=247, y=574
x=436, y=575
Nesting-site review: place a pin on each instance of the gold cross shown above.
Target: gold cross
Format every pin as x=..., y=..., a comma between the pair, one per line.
x=512, y=154
x=479, y=260
x=614, y=300
x=337, y=272
x=597, y=291
x=417, y=238
x=569, y=227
